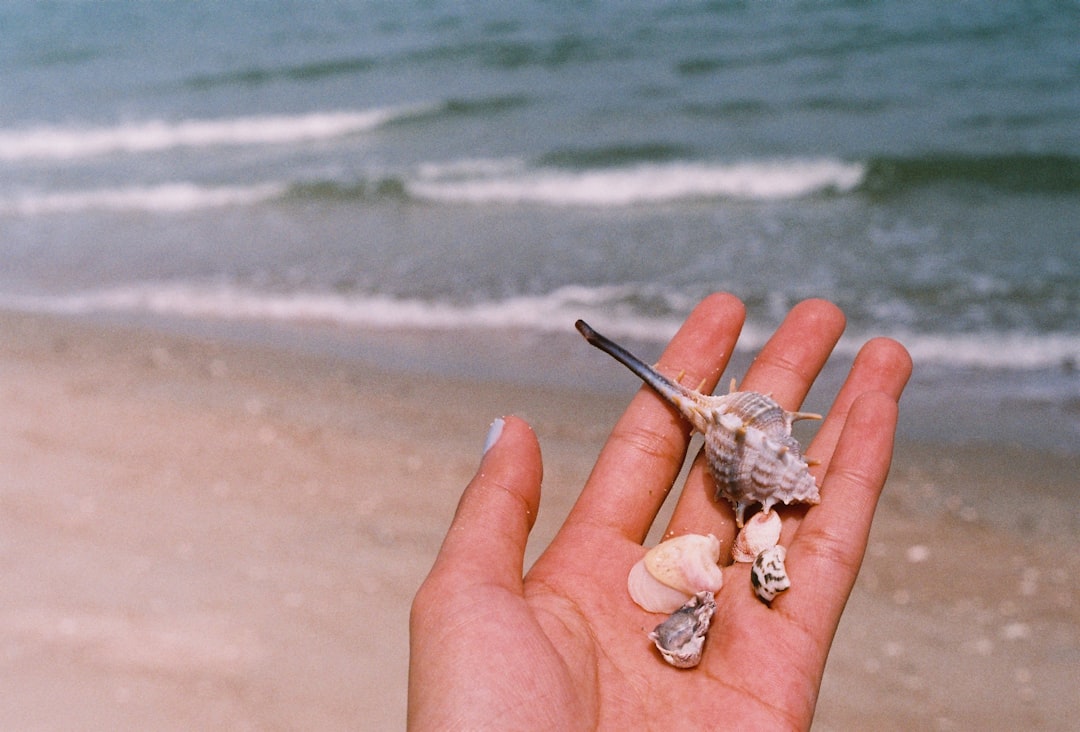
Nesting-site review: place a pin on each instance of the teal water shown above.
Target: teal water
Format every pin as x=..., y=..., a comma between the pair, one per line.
x=436, y=167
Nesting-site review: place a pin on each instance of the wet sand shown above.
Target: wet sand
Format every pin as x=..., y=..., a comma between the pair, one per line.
x=205, y=535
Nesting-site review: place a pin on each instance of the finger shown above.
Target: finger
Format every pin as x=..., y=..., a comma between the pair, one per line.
x=487, y=536
x=794, y=355
x=881, y=365
x=647, y=446
x=697, y=511
x=827, y=551
x=786, y=368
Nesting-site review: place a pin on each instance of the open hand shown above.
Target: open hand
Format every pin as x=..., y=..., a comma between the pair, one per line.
x=565, y=647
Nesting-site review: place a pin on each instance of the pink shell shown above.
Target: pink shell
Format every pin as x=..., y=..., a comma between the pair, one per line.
x=758, y=534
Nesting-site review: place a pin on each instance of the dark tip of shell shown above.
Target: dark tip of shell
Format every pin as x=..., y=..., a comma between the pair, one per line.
x=586, y=330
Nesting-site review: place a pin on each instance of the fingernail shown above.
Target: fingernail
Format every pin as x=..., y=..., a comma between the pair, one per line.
x=493, y=434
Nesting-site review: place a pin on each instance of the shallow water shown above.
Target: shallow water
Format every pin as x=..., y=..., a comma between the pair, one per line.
x=439, y=173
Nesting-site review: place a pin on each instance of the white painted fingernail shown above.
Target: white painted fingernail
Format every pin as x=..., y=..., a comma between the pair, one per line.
x=493, y=434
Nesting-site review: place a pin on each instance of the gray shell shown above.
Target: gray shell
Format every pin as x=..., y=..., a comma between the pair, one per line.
x=681, y=638
x=750, y=451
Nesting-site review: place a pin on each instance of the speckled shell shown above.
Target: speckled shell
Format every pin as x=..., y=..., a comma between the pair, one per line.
x=750, y=451
x=768, y=575
x=681, y=638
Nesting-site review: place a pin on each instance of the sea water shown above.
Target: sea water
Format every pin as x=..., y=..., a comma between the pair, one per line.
x=389, y=174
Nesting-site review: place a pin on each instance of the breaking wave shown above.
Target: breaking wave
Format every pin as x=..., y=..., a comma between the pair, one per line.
x=630, y=311
x=166, y=198
x=555, y=180
x=72, y=143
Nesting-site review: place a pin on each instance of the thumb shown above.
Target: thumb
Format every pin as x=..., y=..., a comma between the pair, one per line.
x=487, y=537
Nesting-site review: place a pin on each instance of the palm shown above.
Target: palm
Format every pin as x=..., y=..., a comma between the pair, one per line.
x=567, y=648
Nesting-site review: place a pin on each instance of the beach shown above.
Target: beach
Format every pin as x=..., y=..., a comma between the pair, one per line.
x=205, y=533
x=267, y=278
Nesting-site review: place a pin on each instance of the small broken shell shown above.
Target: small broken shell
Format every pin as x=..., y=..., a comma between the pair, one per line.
x=681, y=638
x=675, y=569
x=760, y=532
x=768, y=575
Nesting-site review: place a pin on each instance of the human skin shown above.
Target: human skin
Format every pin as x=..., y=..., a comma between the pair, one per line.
x=565, y=647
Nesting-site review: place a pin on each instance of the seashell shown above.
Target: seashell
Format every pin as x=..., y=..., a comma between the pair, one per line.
x=675, y=569
x=650, y=593
x=750, y=451
x=768, y=575
x=687, y=563
x=758, y=534
x=681, y=638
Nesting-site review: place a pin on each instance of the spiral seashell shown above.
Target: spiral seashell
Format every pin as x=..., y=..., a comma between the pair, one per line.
x=751, y=465
x=750, y=451
x=758, y=534
x=675, y=569
x=768, y=575
x=681, y=638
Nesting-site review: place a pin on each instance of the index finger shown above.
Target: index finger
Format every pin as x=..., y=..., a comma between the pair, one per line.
x=828, y=548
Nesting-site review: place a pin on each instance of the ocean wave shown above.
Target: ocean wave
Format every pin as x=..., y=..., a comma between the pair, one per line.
x=166, y=198
x=548, y=312
x=630, y=311
x=659, y=173
x=71, y=143
x=499, y=181
x=585, y=179
x=645, y=183
x=1011, y=350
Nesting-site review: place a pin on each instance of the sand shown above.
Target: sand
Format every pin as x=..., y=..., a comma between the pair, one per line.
x=208, y=535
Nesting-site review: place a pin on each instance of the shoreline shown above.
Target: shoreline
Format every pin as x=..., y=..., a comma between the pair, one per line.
x=203, y=532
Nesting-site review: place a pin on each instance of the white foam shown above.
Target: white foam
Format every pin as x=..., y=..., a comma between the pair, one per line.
x=1016, y=350
x=166, y=198
x=68, y=143
x=647, y=183
x=608, y=307
x=549, y=312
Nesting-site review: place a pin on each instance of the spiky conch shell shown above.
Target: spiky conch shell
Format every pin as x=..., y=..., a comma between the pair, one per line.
x=752, y=455
x=750, y=451
x=674, y=570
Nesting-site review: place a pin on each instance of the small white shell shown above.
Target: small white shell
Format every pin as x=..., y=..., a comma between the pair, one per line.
x=760, y=532
x=675, y=569
x=681, y=638
x=768, y=575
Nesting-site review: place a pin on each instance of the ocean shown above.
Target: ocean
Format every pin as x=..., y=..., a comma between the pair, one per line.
x=447, y=186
